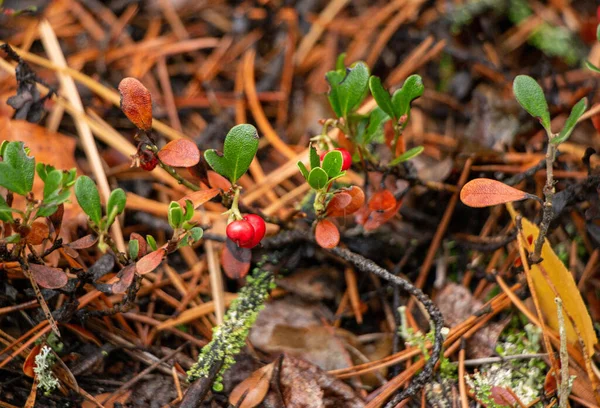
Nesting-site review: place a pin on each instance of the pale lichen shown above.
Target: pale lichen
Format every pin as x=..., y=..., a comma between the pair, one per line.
x=44, y=361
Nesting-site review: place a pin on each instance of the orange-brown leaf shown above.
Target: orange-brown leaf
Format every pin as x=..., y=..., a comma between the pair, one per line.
x=483, y=192
x=252, y=391
x=29, y=363
x=39, y=231
x=382, y=201
x=136, y=103
x=217, y=181
x=47, y=277
x=199, y=197
x=83, y=242
x=327, y=234
x=235, y=260
x=180, y=153
x=338, y=203
x=150, y=262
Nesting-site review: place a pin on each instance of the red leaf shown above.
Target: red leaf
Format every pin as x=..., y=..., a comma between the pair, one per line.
x=199, y=197
x=217, y=181
x=84, y=242
x=57, y=218
x=596, y=118
x=143, y=245
x=136, y=103
x=235, y=260
x=382, y=201
x=46, y=277
x=180, y=153
x=483, y=192
x=327, y=234
x=358, y=199
x=29, y=363
x=150, y=262
x=39, y=231
x=125, y=278
x=338, y=203
x=502, y=396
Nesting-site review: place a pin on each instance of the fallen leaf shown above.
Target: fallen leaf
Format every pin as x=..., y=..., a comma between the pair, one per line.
x=483, y=192
x=180, y=153
x=252, y=391
x=125, y=278
x=235, y=260
x=47, y=277
x=565, y=285
x=39, y=231
x=29, y=363
x=327, y=234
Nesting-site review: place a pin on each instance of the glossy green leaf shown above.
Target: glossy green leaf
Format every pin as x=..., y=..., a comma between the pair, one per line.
x=347, y=92
x=3, y=146
x=5, y=211
x=315, y=160
x=115, y=205
x=382, y=97
x=303, y=170
x=531, y=97
x=151, y=242
x=332, y=163
x=374, y=131
x=52, y=184
x=196, y=233
x=88, y=198
x=175, y=215
x=17, y=170
x=412, y=89
x=317, y=178
x=407, y=155
x=339, y=62
x=134, y=249
x=241, y=144
x=189, y=210
x=577, y=111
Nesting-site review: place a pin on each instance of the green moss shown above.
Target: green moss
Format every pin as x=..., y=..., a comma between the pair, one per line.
x=230, y=337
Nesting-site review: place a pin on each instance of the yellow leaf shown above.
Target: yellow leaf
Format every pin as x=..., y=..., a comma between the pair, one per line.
x=565, y=285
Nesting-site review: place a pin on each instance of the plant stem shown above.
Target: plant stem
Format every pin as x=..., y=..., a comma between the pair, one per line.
x=547, y=208
x=173, y=173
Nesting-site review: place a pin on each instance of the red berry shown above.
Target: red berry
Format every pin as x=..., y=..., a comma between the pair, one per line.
x=346, y=158
x=259, y=229
x=148, y=160
x=241, y=232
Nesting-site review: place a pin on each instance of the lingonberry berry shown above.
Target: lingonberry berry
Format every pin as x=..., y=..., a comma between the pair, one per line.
x=259, y=229
x=241, y=232
x=346, y=158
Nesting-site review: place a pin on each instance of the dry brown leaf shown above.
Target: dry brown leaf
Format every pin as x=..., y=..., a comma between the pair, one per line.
x=47, y=277
x=252, y=391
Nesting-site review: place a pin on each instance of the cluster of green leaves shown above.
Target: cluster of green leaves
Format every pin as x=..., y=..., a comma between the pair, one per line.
x=17, y=173
x=180, y=220
x=321, y=175
x=531, y=97
x=239, y=149
x=348, y=89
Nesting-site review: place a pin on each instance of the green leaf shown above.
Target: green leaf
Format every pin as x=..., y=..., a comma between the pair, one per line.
x=42, y=170
x=315, y=160
x=339, y=62
x=598, y=32
x=189, y=210
x=382, y=97
x=115, y=205
x=412, y=89
x=303, y=170
x=241, y=144
x=17, y=170
x=134, y=249
x=69, y=177
x=334, y=78
x=5, y=211
x=175, y=215
x=374, y=131
x=89, y=198
x=3, y=147
x=46, y=210
x=332, y=163
x=151, y=242
x=196, y=233
x=531, y=97
x=348, y=91
x=592, y=67
x=317, y=178
x=576, y=112
x=407, y=155
x=52, y=183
